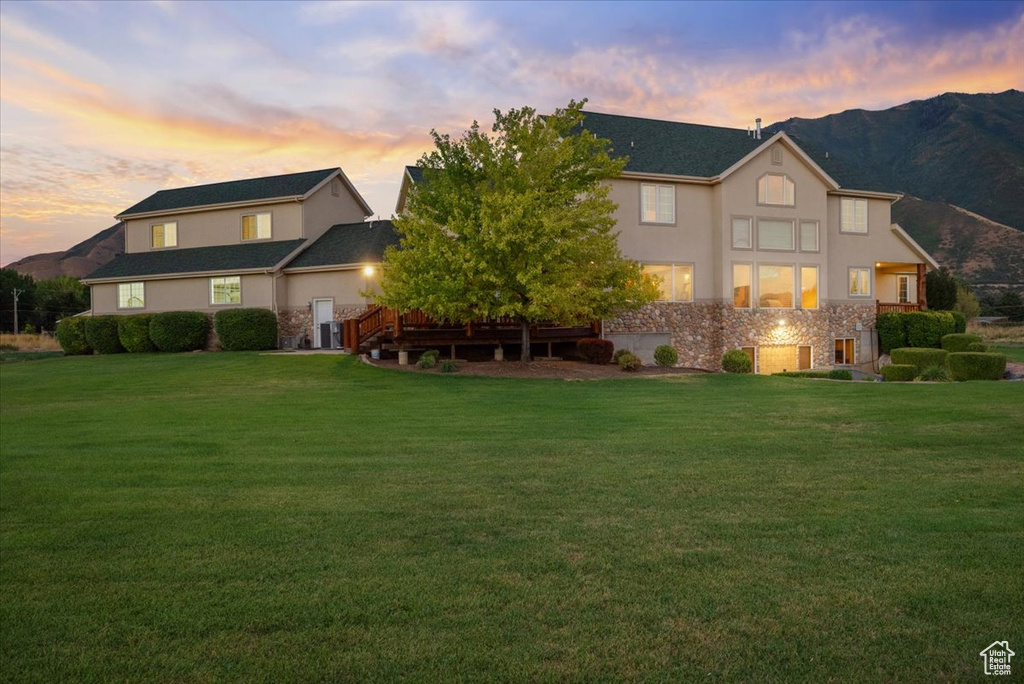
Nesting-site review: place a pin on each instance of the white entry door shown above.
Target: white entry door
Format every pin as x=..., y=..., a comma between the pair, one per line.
x=323, y=312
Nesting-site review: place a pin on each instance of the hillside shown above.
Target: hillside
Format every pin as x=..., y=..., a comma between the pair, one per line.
x=964, y=150
x=78, y=261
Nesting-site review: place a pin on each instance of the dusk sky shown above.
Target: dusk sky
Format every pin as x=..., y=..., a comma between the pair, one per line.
x=102, y=104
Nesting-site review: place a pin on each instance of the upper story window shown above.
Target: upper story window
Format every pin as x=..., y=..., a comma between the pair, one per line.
x=675, y=281
x=227, y=290
x=657, y=203
x=742, y=234
x=256, y=226
x=775, y=189
x=775, y=234
x=860, y=282
x=853, y=215
x=808, y=236
x=131, y=295
x=164, y=234
x=775, y=286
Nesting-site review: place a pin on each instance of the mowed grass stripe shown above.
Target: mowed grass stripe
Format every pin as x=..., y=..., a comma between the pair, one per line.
x=242, y=517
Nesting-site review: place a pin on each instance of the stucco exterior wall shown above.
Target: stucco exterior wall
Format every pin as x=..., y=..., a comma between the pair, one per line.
x=322, y=209
x=183, y=294
x=341, y=286
x=215, y=227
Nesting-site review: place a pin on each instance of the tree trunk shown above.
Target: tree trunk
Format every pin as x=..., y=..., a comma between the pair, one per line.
x=525, y=354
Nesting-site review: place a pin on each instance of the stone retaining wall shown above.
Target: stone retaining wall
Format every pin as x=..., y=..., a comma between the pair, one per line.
x=702, y=331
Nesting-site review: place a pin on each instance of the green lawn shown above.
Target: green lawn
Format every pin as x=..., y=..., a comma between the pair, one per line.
x=1014, y=352
x=246, y=518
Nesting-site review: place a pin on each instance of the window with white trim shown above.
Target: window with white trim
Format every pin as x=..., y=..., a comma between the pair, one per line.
x=742, y=234
x=741, y=284
x=860, y=282
x=226, y=290
x=853, y=215
x=775, y=234
x=675, y=281
x=845, y=351
x=775, y=189
x=657, y=203
x=164, y=234
x=775, y=285
x=808, y=236
x=256, y=226
x=808, y=287
x=903, y=289
x=131, y=295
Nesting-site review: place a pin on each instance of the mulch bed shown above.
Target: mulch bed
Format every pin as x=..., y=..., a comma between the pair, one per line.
x=564, y=370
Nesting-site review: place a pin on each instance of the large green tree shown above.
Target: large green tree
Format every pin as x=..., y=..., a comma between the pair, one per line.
x=515, y=223
x=11, y=280
x=58, y=298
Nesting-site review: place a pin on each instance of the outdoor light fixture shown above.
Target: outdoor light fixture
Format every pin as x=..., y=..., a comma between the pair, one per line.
x=782, y=322
x=368, y=271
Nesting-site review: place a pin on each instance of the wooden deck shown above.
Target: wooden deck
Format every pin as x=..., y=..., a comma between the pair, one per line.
x=382, y=327
x=892, y=307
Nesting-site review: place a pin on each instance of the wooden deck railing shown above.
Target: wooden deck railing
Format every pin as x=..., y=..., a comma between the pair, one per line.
x=893, y=307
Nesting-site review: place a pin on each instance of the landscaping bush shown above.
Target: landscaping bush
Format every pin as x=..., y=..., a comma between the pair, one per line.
x=840, y=374
x=892, y=332
x=927, y=328
x=71, y=336
x=594, y=350
x=449, y=366
x=666, y=356
x=959, y=321
x=934, y=374
x=179, y=331
x=976, y=366
x=976, y=347
x=629, y=362
x=957, y=342
x=618, y=354
x=737, y=361
x=899, y=372
x=919, y=358
x=101, y=334
x=133, y=331
x=246, y=329
x=427, y=360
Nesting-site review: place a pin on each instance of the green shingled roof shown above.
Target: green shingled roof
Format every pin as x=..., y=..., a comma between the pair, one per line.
x=196, y=260
x=248, y=190
x=669, y=147
x=348, y=243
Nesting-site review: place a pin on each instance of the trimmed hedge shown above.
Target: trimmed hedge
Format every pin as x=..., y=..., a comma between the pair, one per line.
x=840, y=374
x=976, y=366
x=101, y=334
x=629, y=362
x=959, y=322
x=919, y=358
x=179, y=331
x=737, y=361
x=976, y=347
x=133, y=331
x=597, y=351
x=246, y=329
x=899, y=372
x=666, y=356
x=71, y=336
x=915, y=329
x=957, y=342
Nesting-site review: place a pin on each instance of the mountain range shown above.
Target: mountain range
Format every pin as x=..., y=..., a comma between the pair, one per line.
x=957, y=158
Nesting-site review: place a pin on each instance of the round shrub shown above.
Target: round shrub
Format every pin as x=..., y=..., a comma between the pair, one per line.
x=449, y=366
x=957, y=342
x=629, y=362
x=892, y=331
x=619, y=354
x=133, y=331
x=899, y=372
x=926, y=328
x=594, y=350
x=101, y=334
x=246, y=329
x=737, y=361
x=71, y=336
x=976, y=366
x=666, y=356
x=976, y=347
x=840, y=374
x=934, y=374
x=179, y=331
x=427, y=360
x=920, y=358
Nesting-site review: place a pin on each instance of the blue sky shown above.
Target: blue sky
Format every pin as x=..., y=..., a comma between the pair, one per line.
x=102, y=104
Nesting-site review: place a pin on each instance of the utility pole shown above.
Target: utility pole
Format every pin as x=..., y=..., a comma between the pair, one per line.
x=17, y=293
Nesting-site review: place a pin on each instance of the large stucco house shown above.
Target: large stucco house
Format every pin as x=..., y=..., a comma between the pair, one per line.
x=758, y=244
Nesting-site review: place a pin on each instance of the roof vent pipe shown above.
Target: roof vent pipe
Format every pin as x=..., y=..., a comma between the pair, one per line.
x=758, y=129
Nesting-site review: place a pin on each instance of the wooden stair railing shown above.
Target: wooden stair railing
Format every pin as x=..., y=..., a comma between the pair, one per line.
x=893, y=307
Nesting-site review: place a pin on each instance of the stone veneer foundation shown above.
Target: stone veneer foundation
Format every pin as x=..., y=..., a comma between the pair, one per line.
x=702, y=331
x=299, y=322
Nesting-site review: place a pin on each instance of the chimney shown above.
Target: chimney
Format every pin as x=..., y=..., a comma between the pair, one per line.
x=757, y=131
